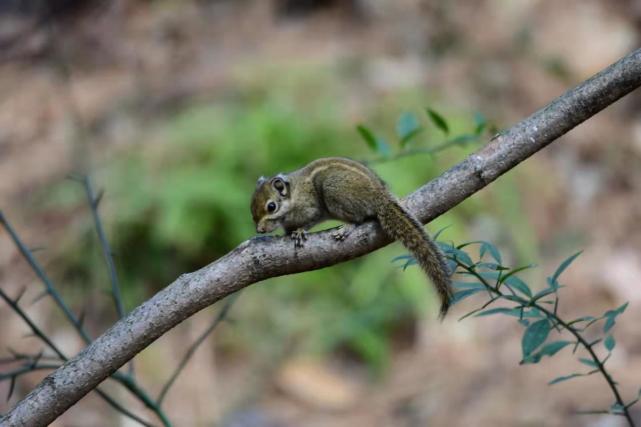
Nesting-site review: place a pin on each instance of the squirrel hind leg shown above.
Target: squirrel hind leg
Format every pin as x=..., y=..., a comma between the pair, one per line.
x=343, y=231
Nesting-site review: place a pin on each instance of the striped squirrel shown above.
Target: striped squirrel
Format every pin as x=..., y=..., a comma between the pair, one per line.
x=343, y=189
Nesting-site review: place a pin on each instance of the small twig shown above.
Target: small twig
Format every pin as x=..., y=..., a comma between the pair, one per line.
x=130, y=384
x=49, y=286
x=34, y=328
x=118, y=407
x=104, y=244
x=600, y=363
x=595, y=412
x=40, y=334
x=25, y=369
x=20, y=357
x=94, y=201
x=192, y=349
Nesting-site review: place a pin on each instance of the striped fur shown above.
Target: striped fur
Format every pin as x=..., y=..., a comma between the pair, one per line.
x=340, y=188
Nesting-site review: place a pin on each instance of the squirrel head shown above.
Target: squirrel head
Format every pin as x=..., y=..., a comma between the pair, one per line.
x=270, y=202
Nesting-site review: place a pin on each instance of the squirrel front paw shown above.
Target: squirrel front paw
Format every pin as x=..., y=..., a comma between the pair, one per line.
x=299, y=236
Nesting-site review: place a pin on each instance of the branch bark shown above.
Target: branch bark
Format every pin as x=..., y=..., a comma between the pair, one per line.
x=263, y=257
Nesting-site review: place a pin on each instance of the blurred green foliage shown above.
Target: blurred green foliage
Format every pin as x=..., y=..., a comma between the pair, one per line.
x=179, y=199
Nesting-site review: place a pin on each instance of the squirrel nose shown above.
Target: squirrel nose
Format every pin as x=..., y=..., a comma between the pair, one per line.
x=260, y=229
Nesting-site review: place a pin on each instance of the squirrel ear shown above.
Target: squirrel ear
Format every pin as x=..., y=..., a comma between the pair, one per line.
x=260, y=181
x=280, y=184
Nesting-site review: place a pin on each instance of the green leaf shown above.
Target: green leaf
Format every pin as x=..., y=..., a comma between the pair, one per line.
x=481, y=123
x=543, y=293
x=367, y=136
x=438, y=233
x=468, y=285
x=619, y=310
x=500, y=310
x=491, y=266
x=609, y=343
x=488, y=247
x=533, y=312
x=609, y=324
x=565, y=264
x=611, y=315
x=407, y=127
x=494, y=252
x=565, y=378
x=462, y=140
x=409, y=260
x=549, y=349
x=517, y=270
x=445, y=247
x=375, y=143
x=382, y=147
x=402, y=257
x=490, y=276
x=518, y=284
x=588, y=362
x=534, y=336
x=461, y=295
x=451, y=265
x=438, y=120
x=459, y=255
x=514, y=312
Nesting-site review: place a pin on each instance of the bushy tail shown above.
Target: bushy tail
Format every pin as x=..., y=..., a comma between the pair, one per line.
x=401, y=225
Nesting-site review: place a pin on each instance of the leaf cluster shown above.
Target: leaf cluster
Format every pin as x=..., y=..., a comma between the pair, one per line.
x=545, y=332
x=409, y=127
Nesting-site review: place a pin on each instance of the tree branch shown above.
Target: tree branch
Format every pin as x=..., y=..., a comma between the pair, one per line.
x=263, y=257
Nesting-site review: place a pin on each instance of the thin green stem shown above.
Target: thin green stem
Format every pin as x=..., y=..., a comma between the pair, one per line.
x=426, y=150
x=600, y=364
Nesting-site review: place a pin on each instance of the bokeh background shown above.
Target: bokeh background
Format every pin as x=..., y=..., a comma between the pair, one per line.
x=176, y=107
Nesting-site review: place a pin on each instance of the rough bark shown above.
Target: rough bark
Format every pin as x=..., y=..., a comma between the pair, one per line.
x=263, y=257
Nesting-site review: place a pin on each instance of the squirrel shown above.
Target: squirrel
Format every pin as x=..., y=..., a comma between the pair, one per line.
x=346, y=190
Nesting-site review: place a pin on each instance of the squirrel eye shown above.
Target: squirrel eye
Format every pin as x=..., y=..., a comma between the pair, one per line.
x=271, y=207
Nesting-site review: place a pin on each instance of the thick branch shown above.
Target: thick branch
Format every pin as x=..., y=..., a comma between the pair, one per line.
x=261, y=258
